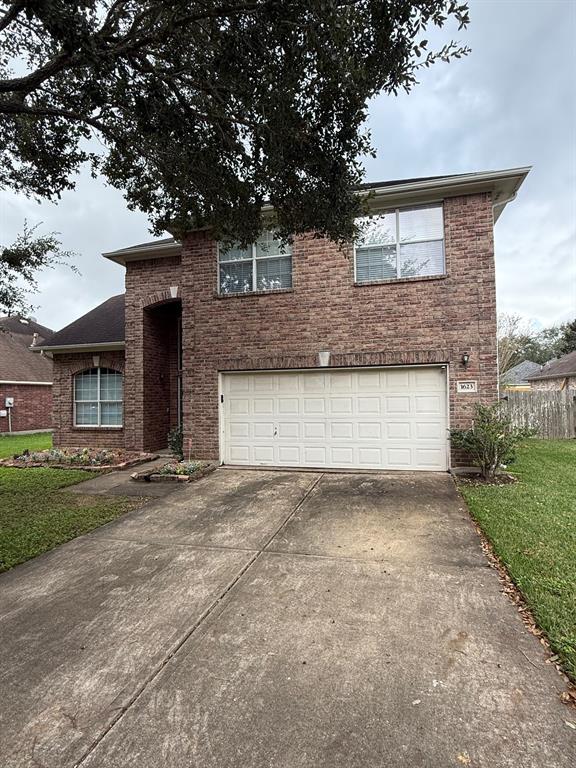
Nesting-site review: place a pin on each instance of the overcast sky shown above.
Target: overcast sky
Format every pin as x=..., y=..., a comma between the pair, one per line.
x=511, y=103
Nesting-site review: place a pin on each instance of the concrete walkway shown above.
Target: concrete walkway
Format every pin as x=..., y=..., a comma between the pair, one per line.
x=119, y=483
x=276, y=620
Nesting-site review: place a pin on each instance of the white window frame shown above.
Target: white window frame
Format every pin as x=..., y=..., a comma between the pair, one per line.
x=99, y=401
x=398, y=243
x=253, y=259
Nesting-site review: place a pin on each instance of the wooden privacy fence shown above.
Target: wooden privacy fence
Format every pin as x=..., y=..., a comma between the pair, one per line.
x=552, y=414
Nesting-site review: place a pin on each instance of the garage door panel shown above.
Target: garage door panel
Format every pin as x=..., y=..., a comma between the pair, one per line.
x=398, y=430
x=369, y=430
x=288, y=406
x=428, y=404
x=289, y=455
x=342, y=456
x=263, y=429
x=341, y=430
x=369, y=405
x=341, y=382
x=314, y=430
x=263, y=406
x=239, y=406
x=366, y=419
x=429, y=430
x=395, y=404
x=313, y=405
x=341, y=406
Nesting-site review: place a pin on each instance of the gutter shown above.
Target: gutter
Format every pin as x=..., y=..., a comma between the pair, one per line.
x=109, y=346
x=31, y=383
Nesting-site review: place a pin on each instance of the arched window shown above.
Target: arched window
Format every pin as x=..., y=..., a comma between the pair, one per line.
x=98, y=398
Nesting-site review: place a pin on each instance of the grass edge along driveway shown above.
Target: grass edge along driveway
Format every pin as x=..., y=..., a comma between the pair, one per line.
x=36, y=514
x=532, y=527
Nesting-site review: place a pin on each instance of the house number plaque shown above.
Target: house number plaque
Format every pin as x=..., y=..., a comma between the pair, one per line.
x=466, y=386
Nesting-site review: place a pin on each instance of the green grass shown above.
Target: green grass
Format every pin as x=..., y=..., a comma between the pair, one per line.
x=35, y=515
x=11, y=444
x=532, y=527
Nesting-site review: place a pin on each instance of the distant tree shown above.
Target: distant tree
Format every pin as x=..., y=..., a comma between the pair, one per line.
x=203, y=110
x=568, y=341
x=19, y=265
x=518, y=340
x=512, y=330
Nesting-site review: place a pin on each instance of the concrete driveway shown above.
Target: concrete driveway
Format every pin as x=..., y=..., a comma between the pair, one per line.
x=265, y=619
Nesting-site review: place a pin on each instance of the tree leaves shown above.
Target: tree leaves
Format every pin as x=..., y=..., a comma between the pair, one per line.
x=206, y=111
x=19, y=264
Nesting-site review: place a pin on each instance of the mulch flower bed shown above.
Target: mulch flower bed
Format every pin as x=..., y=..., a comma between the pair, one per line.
x=175, y=471
x=90, y=459
x=501, y=478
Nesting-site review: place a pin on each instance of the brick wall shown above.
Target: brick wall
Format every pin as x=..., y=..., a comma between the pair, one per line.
x=32, y=407
x=409, y=322
x=148, y=286
x=413, y=321
x=65, y=433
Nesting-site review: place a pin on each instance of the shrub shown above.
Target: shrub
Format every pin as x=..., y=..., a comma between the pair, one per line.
x=492, y=439
x=176, y=442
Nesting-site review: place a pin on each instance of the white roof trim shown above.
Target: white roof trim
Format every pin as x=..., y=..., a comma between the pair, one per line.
x=104, y=346
x=503, y=184
x=34, y=383
x=143, y=252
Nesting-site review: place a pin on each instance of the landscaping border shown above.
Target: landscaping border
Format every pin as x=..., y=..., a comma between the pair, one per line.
x=142, y=459
x=153, y=476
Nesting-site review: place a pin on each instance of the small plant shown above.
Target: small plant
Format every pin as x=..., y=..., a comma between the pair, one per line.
x=180, y=468
x=491, y=441
x=176, y=442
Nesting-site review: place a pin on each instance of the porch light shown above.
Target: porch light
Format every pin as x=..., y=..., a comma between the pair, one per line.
x=465, y=359
x=323, y=358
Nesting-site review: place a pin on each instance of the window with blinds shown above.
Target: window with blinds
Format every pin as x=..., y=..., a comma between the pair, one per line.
x=402, y=243
x=266, y=265
x=98, y=398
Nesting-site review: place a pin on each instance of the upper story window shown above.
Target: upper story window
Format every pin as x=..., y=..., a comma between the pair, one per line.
x=266, y=265
x=98, y=398
x=405, y=242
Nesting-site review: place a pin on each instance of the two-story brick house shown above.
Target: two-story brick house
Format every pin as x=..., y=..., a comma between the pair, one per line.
x=309, y=355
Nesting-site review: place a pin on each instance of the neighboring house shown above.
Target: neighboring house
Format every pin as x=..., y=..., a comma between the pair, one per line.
x=313, y=355
x=556, y=374
x=25, y=377
x=516, y=378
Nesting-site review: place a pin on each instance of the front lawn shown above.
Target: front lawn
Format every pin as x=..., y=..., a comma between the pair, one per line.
x=35, y=515
x=532, y=527
x=12, y=444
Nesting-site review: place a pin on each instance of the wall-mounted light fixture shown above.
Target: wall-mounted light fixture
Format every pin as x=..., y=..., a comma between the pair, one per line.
x=465, y=359
x=324, y=358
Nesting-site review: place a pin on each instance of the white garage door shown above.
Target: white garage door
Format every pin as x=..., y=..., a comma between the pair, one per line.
x=392, y=418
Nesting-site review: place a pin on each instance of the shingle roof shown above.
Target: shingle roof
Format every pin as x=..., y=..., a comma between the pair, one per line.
x=23, y=326
x=18, y=363
x=564, y=366
x=102, y=325
x=519, y=373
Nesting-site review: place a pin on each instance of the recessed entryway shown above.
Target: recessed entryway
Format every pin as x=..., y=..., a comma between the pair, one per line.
x=365, y=418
